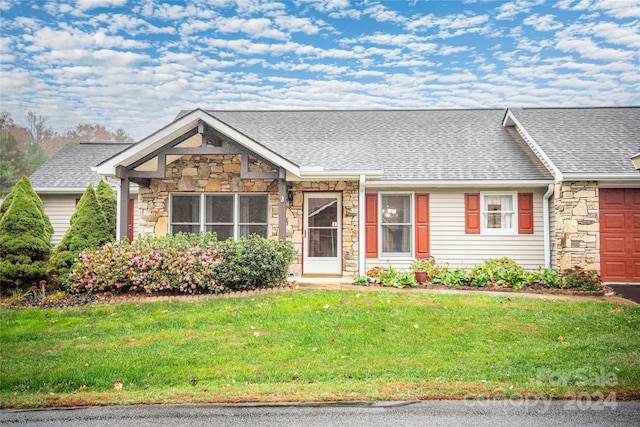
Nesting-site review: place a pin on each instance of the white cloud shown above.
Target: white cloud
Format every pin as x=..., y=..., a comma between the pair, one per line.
x=5, y=5
x=455, y=22
x=297, y=25
x=509, y=10
x=542, y=23
x=616, y=34
x=619, y=8
x=573, y=4
x=93, y=4
x=73, y=38
x=255, y=27
x=586, y=48
x=129, y=24
x=383, y=14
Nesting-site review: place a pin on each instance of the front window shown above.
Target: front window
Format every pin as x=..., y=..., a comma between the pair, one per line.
x=227, y=215
x=396, y=224
x=498, y=213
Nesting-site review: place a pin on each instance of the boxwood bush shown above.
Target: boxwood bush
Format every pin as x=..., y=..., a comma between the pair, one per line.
x=183, y=263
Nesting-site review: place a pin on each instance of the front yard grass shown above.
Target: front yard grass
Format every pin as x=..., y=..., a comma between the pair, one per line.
x=319, y=346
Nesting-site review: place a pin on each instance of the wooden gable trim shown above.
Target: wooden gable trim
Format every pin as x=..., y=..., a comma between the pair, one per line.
x=211, y=145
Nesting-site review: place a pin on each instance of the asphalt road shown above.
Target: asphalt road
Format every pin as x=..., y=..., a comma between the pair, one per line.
x=578, y=412
x=631, y=292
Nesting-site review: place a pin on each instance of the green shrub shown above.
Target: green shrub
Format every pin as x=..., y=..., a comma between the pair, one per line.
x=88, y=230
x=395, y=278
x=585, y=280
x=548, y=278
x=455, y=277
x=25, y=184
x=498, y=272
x=254, y=262
x=361, y=280
x=183, y=263
x=109, y=205
x=25, y=244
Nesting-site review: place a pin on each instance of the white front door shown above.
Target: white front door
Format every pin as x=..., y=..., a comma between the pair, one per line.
x=322, y=233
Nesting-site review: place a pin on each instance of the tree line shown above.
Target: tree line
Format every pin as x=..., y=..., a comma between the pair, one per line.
x=23, y=149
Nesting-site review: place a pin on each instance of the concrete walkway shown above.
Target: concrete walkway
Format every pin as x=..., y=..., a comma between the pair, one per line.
x=343, y=283
x=346, y=284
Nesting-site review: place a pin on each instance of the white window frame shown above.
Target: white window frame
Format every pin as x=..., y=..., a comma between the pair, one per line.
x=411, y=223
x=484, y=213
x=236, y=210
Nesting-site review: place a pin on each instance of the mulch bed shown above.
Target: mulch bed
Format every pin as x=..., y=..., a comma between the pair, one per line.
x=79, y=299
x=530, y=289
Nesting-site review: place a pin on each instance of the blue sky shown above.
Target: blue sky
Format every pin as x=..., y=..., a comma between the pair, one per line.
x=136, y=64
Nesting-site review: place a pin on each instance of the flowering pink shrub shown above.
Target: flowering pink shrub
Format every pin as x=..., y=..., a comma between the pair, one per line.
x=179, y=264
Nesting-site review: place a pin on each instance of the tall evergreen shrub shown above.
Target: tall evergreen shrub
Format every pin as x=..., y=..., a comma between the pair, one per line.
x=109, y=205
x=88, y=230
x=25, y=185
x=25, y=243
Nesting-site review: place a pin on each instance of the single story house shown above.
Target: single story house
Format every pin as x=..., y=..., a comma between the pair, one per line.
x=353, y=189
x=62, y=180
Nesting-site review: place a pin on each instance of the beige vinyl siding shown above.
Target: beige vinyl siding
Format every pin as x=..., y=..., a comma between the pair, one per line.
x=449, y=242
x=60, y=207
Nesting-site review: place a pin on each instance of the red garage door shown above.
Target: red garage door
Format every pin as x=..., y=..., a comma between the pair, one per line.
x=620, y=234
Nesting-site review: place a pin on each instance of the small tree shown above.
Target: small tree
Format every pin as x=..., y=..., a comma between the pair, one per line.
x=25, y=243
x=88, y=229
x=25, y=185
x=109, y=205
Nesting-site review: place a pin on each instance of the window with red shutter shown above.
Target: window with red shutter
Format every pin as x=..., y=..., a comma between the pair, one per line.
x=525, y=213
x=371, y=225
x=422, y=225
x=472, y=213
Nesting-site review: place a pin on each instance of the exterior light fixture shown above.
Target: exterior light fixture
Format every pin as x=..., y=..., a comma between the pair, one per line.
x=636, y=161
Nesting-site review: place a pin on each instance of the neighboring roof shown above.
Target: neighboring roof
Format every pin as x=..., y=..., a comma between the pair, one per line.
x=586, y=141
x=407, y=145
x=70, y=168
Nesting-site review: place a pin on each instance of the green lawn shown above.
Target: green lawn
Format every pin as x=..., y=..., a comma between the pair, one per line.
x=318, y=345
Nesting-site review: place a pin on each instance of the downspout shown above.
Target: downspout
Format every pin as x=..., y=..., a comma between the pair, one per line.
x=545, y=216
x=361, y=229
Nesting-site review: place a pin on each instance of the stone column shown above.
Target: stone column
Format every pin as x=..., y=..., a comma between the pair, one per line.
x=577, y=234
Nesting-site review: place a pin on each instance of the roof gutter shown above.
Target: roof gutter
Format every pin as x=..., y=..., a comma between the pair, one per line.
x=67, y=190
x=320, y=173
x=601, y=177
x=463, y=183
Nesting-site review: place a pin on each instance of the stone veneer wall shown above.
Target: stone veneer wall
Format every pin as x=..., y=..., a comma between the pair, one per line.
x=350, y=232
x=577, y=235
x=221, y=173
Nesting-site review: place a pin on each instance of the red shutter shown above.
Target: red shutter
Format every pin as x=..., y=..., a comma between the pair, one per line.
x=422, y=225
x=371, y=225
x=525, y=213
x=472, y=213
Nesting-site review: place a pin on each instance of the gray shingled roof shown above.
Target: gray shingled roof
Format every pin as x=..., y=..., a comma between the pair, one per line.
x=586, y=140
x=406, y=144
x=70, y=168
